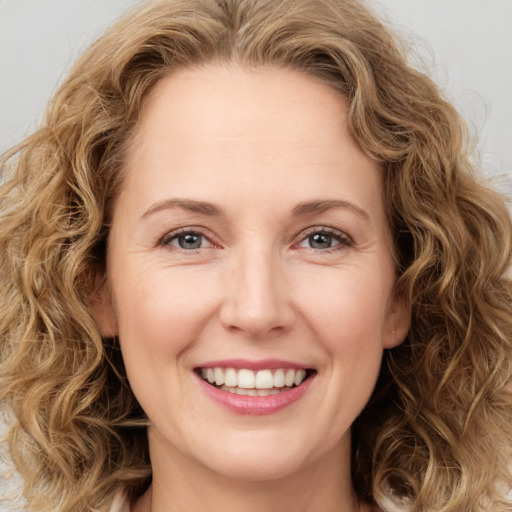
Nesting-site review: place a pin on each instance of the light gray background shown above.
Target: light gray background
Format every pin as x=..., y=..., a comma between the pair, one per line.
x=465, y=45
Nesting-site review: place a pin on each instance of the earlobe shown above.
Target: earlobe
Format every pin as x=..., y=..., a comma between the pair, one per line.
x=398, y=321
x=102, y=310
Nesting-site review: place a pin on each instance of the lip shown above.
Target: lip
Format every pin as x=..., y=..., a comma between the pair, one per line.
x=254, y=405
x=262, y=364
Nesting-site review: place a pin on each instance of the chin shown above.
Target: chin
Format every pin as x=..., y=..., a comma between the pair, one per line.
x=258, y=468
x=259, y=456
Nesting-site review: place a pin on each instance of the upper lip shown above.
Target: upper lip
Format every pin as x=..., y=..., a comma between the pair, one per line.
x=252, y=364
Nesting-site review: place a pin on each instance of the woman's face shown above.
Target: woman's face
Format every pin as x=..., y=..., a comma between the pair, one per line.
x=250, y=245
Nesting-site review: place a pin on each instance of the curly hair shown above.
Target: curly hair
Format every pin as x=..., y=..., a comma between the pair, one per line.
x=437, y=432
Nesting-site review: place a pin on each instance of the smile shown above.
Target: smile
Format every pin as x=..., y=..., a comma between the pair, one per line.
x=247, y=382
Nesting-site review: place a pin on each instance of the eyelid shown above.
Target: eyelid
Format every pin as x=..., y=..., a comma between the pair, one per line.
x=344, y=239
x=164, y=241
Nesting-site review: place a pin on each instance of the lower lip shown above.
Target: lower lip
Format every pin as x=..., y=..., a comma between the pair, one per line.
x=255, y=405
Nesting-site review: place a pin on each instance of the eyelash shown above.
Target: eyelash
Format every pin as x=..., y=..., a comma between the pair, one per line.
x=166, y=240
x=343, y=239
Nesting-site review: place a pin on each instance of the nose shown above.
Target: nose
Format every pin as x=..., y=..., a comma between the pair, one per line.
x=257, y=296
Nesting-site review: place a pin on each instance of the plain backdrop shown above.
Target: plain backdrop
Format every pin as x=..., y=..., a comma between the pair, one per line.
x=465, y=45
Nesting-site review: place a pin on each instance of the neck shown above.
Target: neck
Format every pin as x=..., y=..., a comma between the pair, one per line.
x=182, y=484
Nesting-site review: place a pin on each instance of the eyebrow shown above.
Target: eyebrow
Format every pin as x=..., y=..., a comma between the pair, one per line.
x=202, y=207
x=314, y=207
x=302, y=209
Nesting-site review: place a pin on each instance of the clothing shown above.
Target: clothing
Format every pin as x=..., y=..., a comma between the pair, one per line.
x=120, y=504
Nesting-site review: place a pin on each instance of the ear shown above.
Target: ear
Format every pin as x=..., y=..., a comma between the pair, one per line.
x=398, y=321
x=102, y=310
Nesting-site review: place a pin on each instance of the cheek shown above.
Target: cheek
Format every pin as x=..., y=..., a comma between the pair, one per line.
x=161, y=313
x=346, y=309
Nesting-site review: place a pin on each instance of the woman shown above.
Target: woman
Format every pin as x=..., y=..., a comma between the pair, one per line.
x=247, y=265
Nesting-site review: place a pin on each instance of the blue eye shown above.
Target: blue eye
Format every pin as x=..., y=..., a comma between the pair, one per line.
x=322, y=239
x=189, y=241
x=186, y=240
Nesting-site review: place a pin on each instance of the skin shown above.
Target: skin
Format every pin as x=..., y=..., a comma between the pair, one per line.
x=257, y=144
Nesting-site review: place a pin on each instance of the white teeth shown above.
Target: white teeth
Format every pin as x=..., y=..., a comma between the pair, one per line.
x=264, y=379
x=279, y=379
x=300, y=375
x=230, y=378
x=243, y=379
x=219, y=376
x=289, y=378
x=246, y=379
x=253, y=392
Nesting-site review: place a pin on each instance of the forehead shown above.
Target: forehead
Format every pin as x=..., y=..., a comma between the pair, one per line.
x=249, y=129
x=240, y=101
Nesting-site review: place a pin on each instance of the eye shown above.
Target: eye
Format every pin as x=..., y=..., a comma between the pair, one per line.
x=186, y=239
x=324, y=238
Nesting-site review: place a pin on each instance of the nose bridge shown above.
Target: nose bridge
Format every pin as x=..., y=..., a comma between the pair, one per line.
x=257, y=299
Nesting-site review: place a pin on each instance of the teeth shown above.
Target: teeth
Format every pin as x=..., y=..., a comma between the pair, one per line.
x=230, y=378
x=248, y=382
x=264, y=380
x=300, y=375
x=246, y=379
x=253, y=392
x=278, y=379
x=219, y=376
x=289, y=378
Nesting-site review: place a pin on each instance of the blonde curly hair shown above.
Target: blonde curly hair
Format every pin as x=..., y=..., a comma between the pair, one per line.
x=437, y=432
